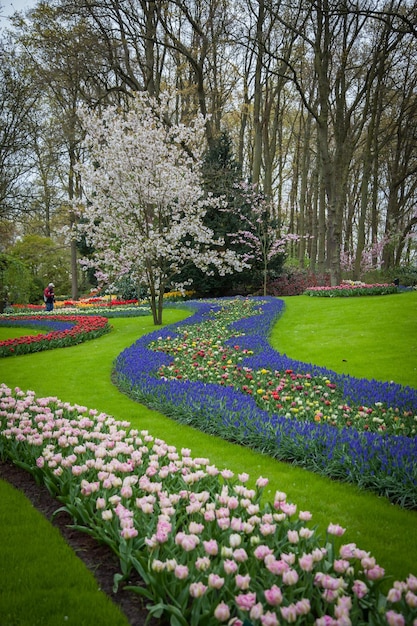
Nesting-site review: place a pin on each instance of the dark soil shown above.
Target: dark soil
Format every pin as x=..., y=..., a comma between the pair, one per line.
x=99, y=559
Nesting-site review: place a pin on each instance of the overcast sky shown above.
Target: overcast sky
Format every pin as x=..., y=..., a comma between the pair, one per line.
x=8, y=7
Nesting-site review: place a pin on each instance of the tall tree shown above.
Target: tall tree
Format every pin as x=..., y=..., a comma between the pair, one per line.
x=17, y=99
x=145, y=209
x=58, y=51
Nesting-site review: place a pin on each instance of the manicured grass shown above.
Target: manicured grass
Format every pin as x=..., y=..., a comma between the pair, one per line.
x=81, y=374
x=372, y=337
x=7, y=332
x=43, y=582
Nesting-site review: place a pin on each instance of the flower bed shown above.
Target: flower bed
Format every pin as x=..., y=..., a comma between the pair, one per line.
x=208, y=549
x=107, y=306
x=64, y=330
x=108, y=310
x=218, y=373
x=350, y=288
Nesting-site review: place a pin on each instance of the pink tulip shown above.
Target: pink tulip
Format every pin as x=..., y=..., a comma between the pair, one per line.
x=230, y=567
x=275, y=566
x=197, y=589
x=262, y=551
x=335, y=529
x=306, y=562
x=394, y=595
x=181, y=572
x=240, y=555
x=245, y=601
x=256, y=611
x=269, y=619
x=242, y=582
x=325, y=620
x=211, y=547
x=202, y=563
x=341, y=566
x=129, y=533
x=222, y=612
x=348, y=551
x=412, y=582
x=303, y=607
x=289, y=613
x=215, y=581
x=411, y=599
x=290, y=577
x=359, y=589
x=376, y=573
x=273, y=595
x=394, y=619
x=267, y=529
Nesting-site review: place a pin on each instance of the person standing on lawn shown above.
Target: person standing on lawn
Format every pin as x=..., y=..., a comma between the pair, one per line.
x=49, y=297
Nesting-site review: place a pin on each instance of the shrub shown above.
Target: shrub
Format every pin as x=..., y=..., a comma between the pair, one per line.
x=294, y=281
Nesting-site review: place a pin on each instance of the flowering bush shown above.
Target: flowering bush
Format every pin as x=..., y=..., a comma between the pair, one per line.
x=350, y=288
x=217, y=372
x=64, y=330
x=294, y=281
x=206, y=546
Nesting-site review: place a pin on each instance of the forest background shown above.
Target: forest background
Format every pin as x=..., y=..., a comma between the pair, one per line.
x=313, y=103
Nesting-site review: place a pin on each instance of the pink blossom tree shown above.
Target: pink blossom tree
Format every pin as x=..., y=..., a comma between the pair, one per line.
x=259, y=233
x=371, y=258
x=145, y=205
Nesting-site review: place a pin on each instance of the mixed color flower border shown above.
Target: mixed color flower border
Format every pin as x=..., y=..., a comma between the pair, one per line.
x=64, y=330
x=377, y=461
x=207, y=547
x=352, y=288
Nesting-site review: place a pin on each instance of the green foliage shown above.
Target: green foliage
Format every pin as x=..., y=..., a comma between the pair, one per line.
x=220, y=169
x=15, y=281
x=221, y=173
x=46, y=262
x=406, y=274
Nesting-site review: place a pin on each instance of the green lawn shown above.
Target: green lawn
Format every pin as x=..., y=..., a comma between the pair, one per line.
x=43, y=582
x=8, y=332
x=313, y=330
x=366, y=337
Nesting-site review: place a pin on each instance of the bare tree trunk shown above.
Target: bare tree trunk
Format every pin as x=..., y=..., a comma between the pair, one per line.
x=71, y=198
x=257, y=102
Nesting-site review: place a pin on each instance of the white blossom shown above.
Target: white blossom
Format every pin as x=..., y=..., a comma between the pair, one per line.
x=145, y=205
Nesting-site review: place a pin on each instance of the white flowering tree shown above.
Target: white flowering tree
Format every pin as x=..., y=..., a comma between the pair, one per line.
x=144, y=208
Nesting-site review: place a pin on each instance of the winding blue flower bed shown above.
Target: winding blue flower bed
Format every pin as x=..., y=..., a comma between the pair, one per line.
x=378, y=462
x=38, y=324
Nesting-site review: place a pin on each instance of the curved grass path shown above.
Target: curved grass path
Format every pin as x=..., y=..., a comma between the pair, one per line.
x=81, y=374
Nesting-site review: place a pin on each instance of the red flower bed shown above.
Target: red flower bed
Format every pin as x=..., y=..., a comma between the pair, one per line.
x=75, y=329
